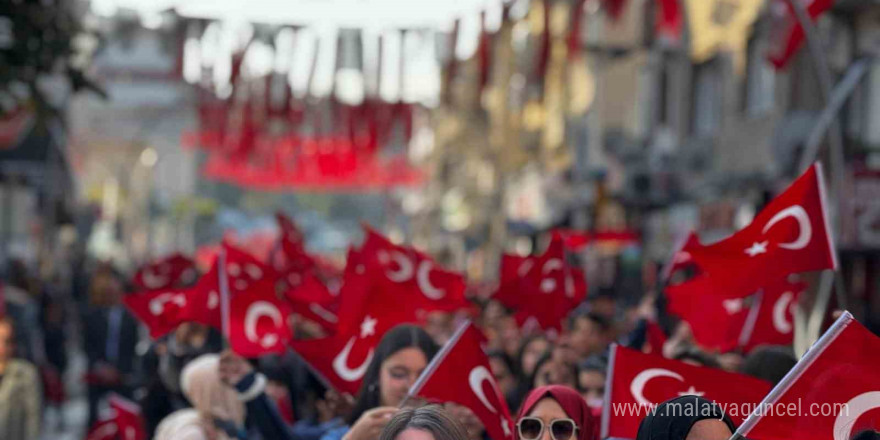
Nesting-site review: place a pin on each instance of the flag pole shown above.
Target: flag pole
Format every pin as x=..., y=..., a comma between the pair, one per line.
x=224, y=294
x=438, y=359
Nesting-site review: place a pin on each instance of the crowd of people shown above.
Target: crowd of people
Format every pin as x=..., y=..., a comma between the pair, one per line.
x=189, y=386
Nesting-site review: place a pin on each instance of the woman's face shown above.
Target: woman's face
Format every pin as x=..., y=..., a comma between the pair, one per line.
x=398, y=372
x=548, y=410
x=532, y=353
x=414, y=434
x=592, y=387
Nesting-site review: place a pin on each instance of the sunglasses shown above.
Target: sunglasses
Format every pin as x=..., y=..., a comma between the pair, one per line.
x=531, y=428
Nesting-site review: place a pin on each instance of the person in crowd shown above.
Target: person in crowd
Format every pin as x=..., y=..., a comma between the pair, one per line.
x=551, y=371
x=111, y=337
x=162, y=365
x=686, y=418
x=20, y=303
x=555, y=412
x=399, y=359
x=502, y=370
x=591, y=381
x=429, y=422
x=20, y=393
x=224, y=391
x=770, y=362
x=589, y=334
x=531, y=350
x=867, y=435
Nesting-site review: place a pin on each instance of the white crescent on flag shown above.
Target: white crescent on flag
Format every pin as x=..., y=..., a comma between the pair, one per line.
x=340, y=363
x=637, y=388
x=798, y=213
x=780, y=322
x=851, y=412
x=257, y=310
x=424, y=279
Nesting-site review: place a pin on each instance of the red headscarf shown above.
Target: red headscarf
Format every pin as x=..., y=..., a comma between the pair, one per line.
x=571, y=402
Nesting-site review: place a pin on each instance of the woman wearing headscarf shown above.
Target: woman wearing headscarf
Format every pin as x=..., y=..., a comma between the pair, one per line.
x=555, y=412
x=223, y=390
x=686, y=418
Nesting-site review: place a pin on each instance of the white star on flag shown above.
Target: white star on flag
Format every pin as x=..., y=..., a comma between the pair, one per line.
x=757, y=248
x=368, y=327
x=691, y=392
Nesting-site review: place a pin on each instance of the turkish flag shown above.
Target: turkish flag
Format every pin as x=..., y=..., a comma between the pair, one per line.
x=166, y=273
x=637, y=382
x=259, y=321
x=682, y=258
x=716, y=319
x=342, y=360
x=239, y=273
x=313, y=300
x=163, y=310
x=773, y=324
x=790, y=235
x=788, y=34
x=460, y=373
x=834, y=390
x=124, y=422
x=543, y=290
x=413, y=276
x=292, y=248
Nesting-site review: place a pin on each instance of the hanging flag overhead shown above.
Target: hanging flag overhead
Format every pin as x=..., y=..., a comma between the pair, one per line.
x=788, y=35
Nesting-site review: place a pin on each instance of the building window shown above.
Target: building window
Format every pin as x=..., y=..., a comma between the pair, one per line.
x=707, y=99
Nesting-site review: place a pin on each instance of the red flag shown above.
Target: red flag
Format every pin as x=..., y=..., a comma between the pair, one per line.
x=242, y=271
x=343, y=359
x=682, y=257
x=163, y=310
x=414, y=276
x=259, y=321
x=313, y=300
x=834, y=389
x=669, y=21
x=614, y=8
x=789, y=34
x=637, y=382
x=460, y=373
x=291, y=245
x=165, y=273
x=775, y=314
x=716, y=319
x=791, y=234
x=546, y=289
x=124, y=422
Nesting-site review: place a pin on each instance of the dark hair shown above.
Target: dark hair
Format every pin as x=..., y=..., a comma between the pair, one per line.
x=396, y=339
x=430, y=418
x=504, y=358
x=694, y=354
x=595, y=362
x=867, y=435
x=603, y=322
x=770, y=362
x=522, y=352
x=547, y=357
